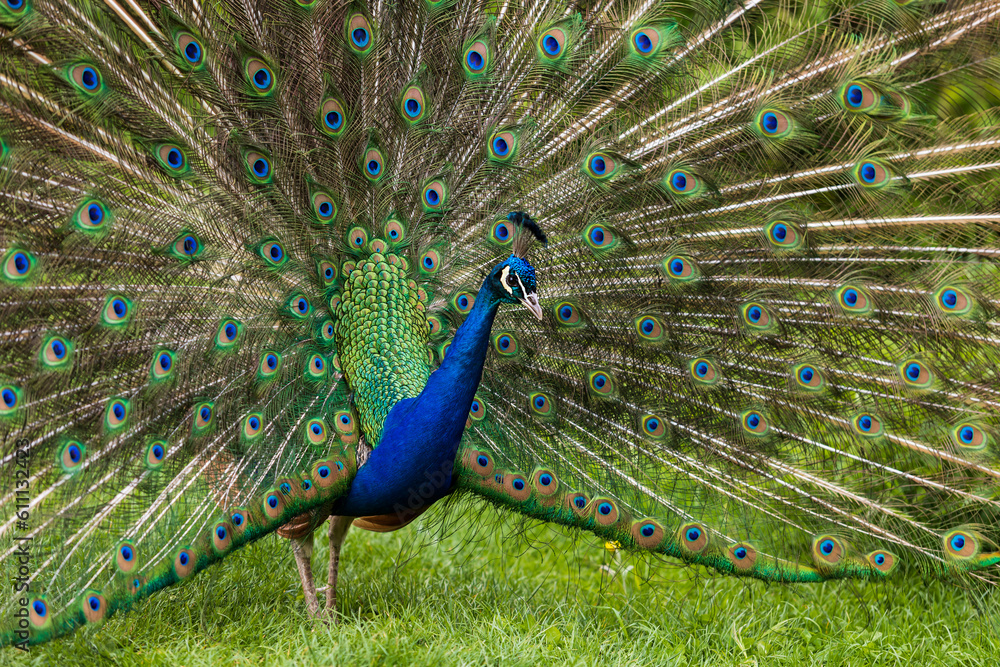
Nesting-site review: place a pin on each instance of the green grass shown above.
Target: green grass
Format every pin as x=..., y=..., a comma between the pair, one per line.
x=487, y=594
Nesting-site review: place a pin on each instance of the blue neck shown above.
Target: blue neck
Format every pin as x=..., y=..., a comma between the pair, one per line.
x=412, y=464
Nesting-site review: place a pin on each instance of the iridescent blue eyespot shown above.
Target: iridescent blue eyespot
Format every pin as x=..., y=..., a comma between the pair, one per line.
x=333, y=120
x=94, y=603
x=605, y=508
x=261, y=168
x=966, y=434
x=74, y=453
x=645, y=45
x=272, y=501
x=39, y=607
x=21, y=263
x=504, y=342
x=183, y=558
x=580, y=502
x=949, y=298
x=237, y=519
x=324, y=471
x=220, y=532
x=483, y=461
x=855, y=96
x=779, y=232
x=913, y=371
x=192, y=52
x=412, y=107
x=475, y=60
x=868, y=172
x=597, y=235
x=826, y=546
x=598, y=165
x=880, y=559
x=157, y=452
x=958, y=542
x=285, y=488
x=648, y=529
x=119, y=411
x=551, y=45
x=463, y=303
x=127, y=553
x=518, y=484
x=262, y=78
x=205, y=413
x=770, y=122
x=740, y=553
x=679, y=181
x=89, y=78
x=545, y=479
x=692, y=535
x=9, y=397
x=272, y=361
x=360, y=37
x=374, y=167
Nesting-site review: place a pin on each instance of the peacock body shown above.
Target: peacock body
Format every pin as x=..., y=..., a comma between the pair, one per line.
x=263, y=264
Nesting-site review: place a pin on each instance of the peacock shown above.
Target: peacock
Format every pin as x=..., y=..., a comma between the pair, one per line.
x=711, y=280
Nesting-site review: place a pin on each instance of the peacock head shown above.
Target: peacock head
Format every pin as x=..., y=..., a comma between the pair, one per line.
x=513, y=280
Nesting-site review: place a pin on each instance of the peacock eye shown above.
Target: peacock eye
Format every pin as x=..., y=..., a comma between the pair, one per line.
x=512, y=280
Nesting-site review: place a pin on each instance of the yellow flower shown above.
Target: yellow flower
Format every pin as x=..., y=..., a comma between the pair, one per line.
x=613, y=546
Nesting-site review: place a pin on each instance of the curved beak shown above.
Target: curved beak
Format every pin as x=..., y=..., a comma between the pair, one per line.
x=531, y=303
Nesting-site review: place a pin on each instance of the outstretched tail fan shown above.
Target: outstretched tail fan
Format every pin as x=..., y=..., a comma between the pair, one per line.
x=258, y=258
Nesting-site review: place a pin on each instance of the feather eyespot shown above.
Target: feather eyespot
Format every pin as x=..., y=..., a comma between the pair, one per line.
x=605, y=511
x=783, y=235
x=683, y=182
x=56, y=352
x=324, y=208
x=316, y=367
x=430, y=261
x=916, y=374
x=10, y=399
x=270, y=362
x=773, y=124
x=16, y=7
x=693, y=538
x=647, y=533
x=600, y=166
x=260, y=76
x=757, y=317
x=970, y=437
x=17, y=265
x=172, y=158
x=163, y=365
x=601, y=383
x=357, y=238
x=883, y=561
x=853, y=300
x=478, y=409
x=545, y=482
x=649, y=328
x=828, y=550
x=952, y=300
x=742, y=556
x=872, y=174
x=222, y=537
x=184, y=562
x=190, y=49
x=961, y=545
x=71, y=456
x=258, y=166
x=126, y=556
x=568, y=314
x=463, y=302
x=645, y=41
x=299, y=306
x=505, y=344
x=413, y=106
x=326, y=331
x=86, y=78
x=359, y=35
x=94, y=606
x=754, y=423
x=156, y=450
x=204, y=417
x=394, y=230
x=600, y=237
x=653, y=427
x=434, y=195
x=186, y=247
x=253, y=425
x=808, y=378
x=867, y=425
x=859, y=97
x=540, y=404
x=476, y=58
x=680, y=269
x=703, y=372
x=117, y=413
x=502, y=146
x=373, y=164
x=92, y=217
x=332, y=117
x=228, y=334
x=552, y=44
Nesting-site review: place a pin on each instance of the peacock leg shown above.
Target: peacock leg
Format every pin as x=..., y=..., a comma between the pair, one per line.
x=338, y=531
x=302, y=547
